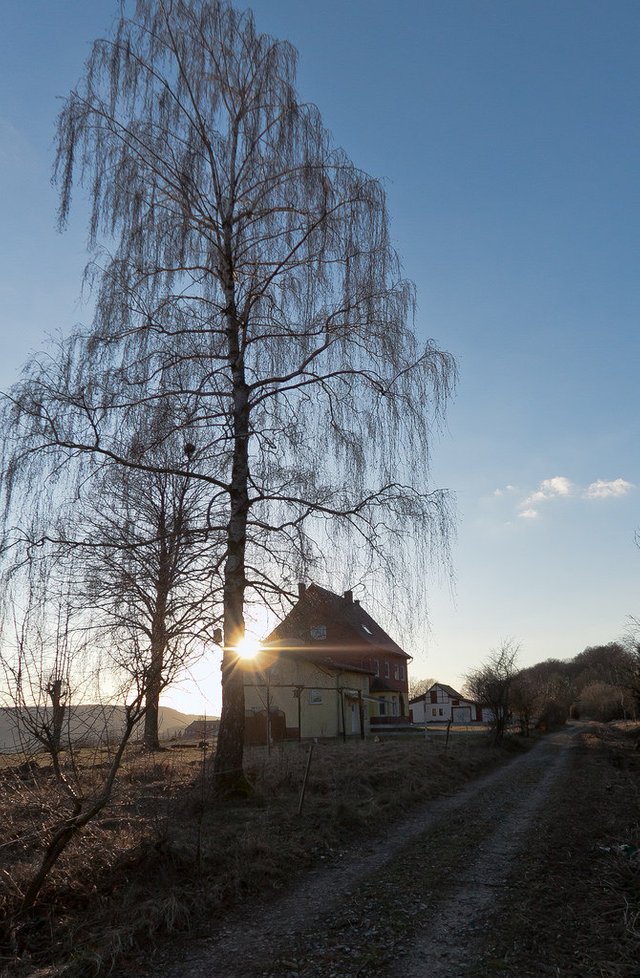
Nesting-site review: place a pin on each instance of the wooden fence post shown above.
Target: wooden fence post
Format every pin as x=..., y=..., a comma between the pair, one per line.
x=304, y=780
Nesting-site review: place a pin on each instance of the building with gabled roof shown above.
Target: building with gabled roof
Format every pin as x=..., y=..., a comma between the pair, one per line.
x=444, y=704
x=297, y=694
x=334, y=631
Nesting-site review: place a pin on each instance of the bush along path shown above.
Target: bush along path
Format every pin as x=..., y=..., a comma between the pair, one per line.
x=455, y=888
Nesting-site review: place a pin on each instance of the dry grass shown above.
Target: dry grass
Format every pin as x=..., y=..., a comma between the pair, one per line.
x=168, y=853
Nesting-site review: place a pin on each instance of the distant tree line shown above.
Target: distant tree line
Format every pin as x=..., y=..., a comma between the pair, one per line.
x=601, y=683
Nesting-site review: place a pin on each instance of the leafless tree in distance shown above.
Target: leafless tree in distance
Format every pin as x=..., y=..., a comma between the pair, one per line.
x=491, y=685
x=147, y=560
x=418, y=687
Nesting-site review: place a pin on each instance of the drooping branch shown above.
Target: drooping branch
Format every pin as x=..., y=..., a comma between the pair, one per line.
x=253, y=306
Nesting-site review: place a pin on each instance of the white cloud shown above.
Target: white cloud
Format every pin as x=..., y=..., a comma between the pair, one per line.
x=559, y=485
x=601, y=489
x=503, y=492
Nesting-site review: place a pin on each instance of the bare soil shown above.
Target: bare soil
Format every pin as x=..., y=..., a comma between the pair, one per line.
x=530, y=870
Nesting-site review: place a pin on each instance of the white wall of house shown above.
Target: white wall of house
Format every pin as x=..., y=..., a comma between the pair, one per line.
x=323, y=696
x=443, y=710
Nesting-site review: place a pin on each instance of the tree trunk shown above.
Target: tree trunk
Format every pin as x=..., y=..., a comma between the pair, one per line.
x=66, y=832
x=151, y=737
x=53, y=851
x=230, y=746
x=58, y=709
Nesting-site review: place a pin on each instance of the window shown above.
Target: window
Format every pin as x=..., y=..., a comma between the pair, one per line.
x=433, y=711
x=386, y=670
x=402, y=673
x=383, y=708
x=376, y=666
x=440, y=713
x=396, y=672
x=315, y=697
x=318, y=632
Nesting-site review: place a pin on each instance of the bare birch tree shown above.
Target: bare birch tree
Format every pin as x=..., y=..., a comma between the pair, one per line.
x=253, y=284
x=146, y=559
x=139, y=553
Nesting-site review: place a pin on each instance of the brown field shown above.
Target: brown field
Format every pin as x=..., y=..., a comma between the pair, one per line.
x=168, y=859
x=167, y=855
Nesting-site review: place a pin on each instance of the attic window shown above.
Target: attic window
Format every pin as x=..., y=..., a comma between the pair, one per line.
x=318, y=632
x=367, y=630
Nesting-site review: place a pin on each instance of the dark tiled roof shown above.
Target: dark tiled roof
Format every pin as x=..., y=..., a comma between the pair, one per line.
x=449, y=690
x=358, y=630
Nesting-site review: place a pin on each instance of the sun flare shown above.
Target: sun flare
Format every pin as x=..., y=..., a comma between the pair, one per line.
x=248, y=647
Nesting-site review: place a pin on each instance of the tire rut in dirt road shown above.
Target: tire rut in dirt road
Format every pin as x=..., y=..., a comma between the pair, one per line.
x=449, y=943
x=368, y=915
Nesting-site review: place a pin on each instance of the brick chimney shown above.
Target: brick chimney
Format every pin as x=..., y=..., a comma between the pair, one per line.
x=348, y=597
x=301, y=590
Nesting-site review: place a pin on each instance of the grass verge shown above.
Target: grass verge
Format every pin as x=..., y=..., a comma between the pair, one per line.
x=169, y=856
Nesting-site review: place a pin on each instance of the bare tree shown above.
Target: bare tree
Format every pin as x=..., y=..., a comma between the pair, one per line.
x=253, y=287
x=45, y=668
x=633, y=677
x=491, y=685
x=147, y=562
x=139, y=552
x=418, y=687
x=600, y=700
x=525, y=699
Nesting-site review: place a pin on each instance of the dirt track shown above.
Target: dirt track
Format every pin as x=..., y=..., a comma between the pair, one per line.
x=416, y=901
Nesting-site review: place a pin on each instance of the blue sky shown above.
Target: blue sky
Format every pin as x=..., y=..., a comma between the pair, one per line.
x=507, y=138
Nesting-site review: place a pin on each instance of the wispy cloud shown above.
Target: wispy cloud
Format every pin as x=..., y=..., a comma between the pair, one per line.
x=560, y=487
x=600, y=489
x=548, y=489
x=504, y=491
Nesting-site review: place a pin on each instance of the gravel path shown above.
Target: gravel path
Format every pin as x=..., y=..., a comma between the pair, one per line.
x=412, y=903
